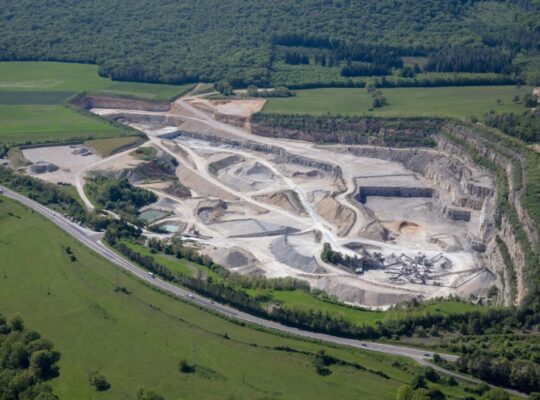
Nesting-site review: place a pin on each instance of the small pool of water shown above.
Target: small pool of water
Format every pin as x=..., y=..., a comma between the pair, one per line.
x=171, y=228
x=151, y=215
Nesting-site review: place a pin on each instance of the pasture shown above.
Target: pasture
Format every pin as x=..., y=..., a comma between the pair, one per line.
x=454, y=101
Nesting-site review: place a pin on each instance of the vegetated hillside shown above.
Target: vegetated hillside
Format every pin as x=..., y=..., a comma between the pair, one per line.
x=111, y=326
x=241, y=40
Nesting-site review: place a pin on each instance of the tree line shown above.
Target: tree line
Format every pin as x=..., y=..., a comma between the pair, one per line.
x=470, y=59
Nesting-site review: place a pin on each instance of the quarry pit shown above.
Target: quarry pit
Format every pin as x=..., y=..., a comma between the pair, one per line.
x=416, y=220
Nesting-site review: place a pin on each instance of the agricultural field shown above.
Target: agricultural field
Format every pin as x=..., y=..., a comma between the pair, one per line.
x=33, y=97
x=48, y=123
x=458, y=102
x=74, y=304
x=76, y=78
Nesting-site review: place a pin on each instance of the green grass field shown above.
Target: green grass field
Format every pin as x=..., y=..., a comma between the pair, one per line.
x=137, y=340
x=31, y=123
x=460, y=102
x=33, y=97
x=75, y=78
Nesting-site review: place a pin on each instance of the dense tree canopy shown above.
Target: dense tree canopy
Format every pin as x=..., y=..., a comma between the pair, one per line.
x=211, y=40
x=27, y=362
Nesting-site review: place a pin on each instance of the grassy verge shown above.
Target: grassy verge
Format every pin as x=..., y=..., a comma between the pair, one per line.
x=184, y=267
x=108, y=147
x=145, y=153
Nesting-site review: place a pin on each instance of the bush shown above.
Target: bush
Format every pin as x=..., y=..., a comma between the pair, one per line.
x=418, y=382
x=16, y=323
x=431, y=375
x=143, y=394
x=98, y=381
x=185, y=367
x=495, y=394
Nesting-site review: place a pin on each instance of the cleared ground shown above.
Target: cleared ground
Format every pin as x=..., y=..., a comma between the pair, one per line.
x=137, y=339
x=68, y=162
x=460, y=102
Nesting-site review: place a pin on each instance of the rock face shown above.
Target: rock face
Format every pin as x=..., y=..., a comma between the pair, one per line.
x=389, y=191
x=457, y=214
x=215, y=166
x=515, y=279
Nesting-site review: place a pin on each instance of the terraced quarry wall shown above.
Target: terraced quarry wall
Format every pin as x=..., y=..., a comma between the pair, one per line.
x=282, y=155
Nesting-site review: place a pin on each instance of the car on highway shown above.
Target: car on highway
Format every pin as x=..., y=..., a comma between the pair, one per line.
x=151, y=274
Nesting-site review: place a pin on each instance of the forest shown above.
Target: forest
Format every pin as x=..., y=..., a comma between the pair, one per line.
x=241, y=41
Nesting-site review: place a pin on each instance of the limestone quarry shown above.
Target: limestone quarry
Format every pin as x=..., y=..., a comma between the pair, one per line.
x=419, y=222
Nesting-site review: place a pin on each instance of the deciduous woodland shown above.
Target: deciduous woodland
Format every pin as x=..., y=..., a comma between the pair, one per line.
x=252, y=41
